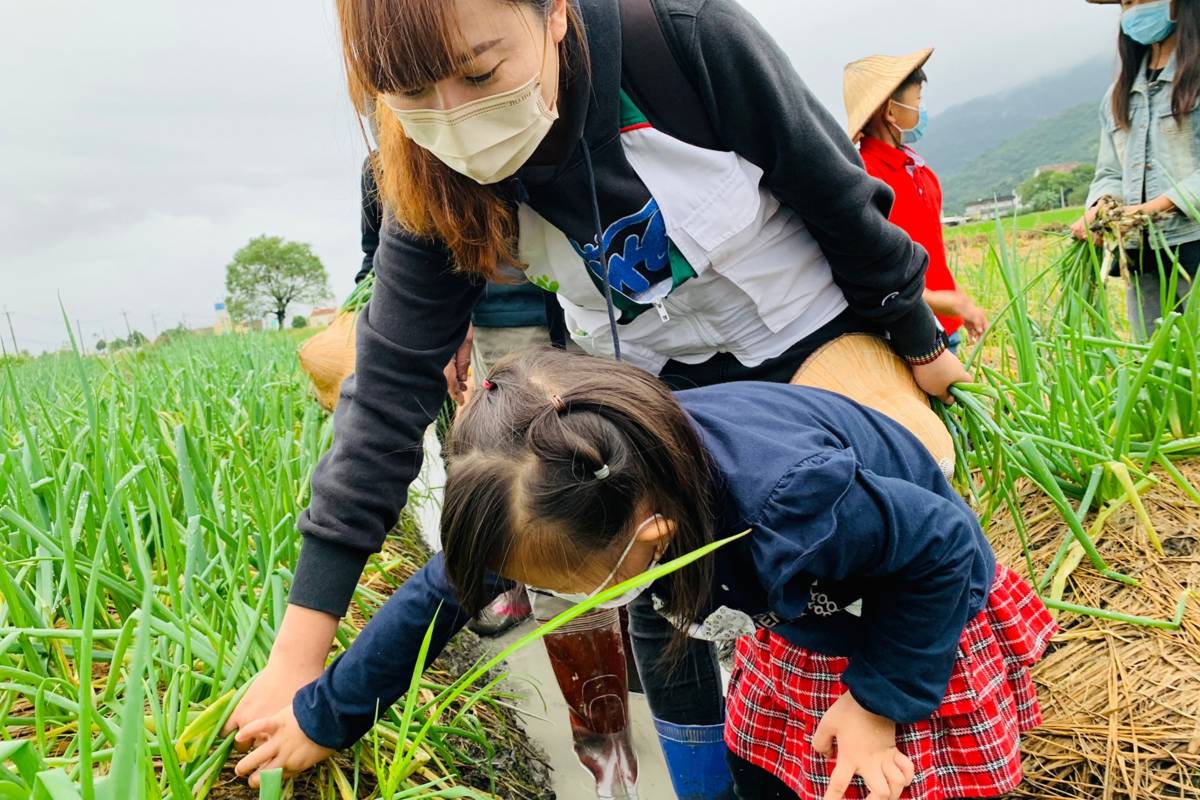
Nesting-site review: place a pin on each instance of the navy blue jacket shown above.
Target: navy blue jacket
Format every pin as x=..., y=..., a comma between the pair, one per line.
x=843, y=505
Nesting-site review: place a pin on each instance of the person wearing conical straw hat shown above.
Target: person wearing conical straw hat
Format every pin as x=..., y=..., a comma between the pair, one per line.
x=1149, y=151
x=886, y=117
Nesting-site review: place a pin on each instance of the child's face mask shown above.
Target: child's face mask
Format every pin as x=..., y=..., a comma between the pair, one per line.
x=632, y=594
x=913, y=135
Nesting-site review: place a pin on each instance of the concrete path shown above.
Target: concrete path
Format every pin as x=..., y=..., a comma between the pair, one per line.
x=549, y=729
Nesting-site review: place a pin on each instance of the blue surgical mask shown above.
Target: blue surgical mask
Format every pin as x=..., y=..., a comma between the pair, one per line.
x=913, y=135
x=1148, y=23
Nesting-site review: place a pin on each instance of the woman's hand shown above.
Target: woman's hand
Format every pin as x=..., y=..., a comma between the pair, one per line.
x=456, y=371
x=297, y=659
x=1082, y=229
x=277, y=741
x=1159, y=205
x=272, y=690
x=866, y=746
x=936, y=377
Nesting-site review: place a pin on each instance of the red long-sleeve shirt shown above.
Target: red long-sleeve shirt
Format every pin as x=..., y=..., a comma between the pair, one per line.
x=918, y=209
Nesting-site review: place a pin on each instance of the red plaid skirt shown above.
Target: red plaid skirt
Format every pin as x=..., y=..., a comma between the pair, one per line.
x=968, y=748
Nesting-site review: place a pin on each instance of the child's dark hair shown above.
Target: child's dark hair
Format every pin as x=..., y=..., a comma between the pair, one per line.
x=524, y=457
x=915, y=78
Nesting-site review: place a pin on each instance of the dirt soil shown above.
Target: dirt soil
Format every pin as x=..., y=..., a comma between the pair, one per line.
x=1121, y=702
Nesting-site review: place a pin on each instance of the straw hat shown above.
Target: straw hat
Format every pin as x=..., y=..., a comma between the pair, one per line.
x=865, y=369
x=868, y=83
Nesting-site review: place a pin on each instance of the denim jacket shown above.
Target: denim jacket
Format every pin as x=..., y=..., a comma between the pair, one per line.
x=1156, y=155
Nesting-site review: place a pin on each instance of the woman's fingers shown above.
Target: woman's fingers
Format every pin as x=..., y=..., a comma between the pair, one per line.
x=452, y=383
x=256, y=760
x=252, y=732
x=255, y=780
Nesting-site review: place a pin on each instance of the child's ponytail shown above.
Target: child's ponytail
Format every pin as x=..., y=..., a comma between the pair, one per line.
x=583, y=471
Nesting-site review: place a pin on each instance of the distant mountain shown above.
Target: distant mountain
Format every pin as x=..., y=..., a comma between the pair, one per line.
x=1071, y=136
x=965, y=132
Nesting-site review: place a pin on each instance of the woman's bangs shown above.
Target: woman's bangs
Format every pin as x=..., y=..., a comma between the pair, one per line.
x=396, y=45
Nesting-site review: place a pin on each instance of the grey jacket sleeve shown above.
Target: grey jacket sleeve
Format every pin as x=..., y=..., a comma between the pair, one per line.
x=417, y=318
x=762, y=110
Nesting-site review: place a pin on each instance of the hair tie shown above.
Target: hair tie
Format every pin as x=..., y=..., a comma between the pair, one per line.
x=488, y=385
x=602, y=473
x=558, y=404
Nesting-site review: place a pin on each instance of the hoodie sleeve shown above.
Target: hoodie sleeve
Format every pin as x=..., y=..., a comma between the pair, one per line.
x=417, y=318
x=762, y=110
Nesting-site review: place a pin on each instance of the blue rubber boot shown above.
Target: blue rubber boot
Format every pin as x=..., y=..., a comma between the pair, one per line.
x=695, y=756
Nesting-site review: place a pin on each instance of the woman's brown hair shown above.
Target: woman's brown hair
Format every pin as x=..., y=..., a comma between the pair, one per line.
x=392, y=45
x=1187, y=66
x=523, y=463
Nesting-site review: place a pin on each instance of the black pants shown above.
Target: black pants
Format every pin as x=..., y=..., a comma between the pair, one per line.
x=689, y=692
x=725, y=368
x=755, y=783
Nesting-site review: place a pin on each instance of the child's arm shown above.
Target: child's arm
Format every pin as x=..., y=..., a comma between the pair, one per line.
x=339, y=707
x=953, y=303
x=335, y=710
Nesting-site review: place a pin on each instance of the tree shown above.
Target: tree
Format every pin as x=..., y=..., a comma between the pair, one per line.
x=268, y=275
x=1056, y=189
x=100, y=345
x=117, y=344
x=170, y=334
x=299, y=322
x=137, y=339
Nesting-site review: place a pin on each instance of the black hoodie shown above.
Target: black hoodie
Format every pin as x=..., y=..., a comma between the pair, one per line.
x=421, y=307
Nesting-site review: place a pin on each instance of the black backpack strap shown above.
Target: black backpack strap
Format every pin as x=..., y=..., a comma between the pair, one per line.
x=656, y=82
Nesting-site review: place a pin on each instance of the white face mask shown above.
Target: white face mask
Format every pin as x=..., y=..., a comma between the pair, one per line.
x=628, y=597
x=488, y=139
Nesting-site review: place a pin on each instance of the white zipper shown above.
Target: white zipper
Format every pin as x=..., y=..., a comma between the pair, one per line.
x=661, y=308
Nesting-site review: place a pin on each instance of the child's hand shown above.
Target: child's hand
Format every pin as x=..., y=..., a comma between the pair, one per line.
x=973, y=318
x=866, y=746
x=278, y=741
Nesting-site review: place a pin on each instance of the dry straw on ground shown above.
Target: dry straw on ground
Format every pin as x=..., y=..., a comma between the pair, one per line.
x=1121, y=703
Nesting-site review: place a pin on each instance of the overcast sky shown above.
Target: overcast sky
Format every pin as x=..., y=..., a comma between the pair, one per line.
x=142, y=142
